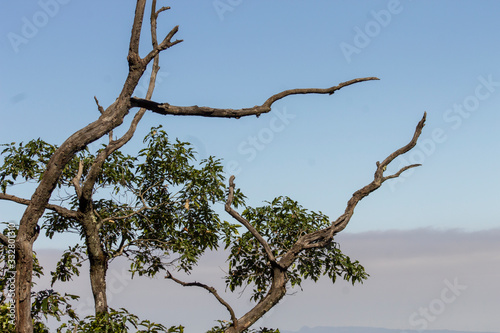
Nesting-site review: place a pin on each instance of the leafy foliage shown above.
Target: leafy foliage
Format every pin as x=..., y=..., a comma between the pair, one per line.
x=115, y=321
x=68, y=265
x=157, y=208
x=281, y=223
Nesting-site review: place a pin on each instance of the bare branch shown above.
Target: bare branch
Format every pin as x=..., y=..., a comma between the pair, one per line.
x=162, y=9
x=76, y=181
x=133, y=54
x=165, y=108
x=99, y=107
x=405, y=149
x=58, y=209
x=321, y=238
x=247, y=224
x=210, y=290
x=165, y=44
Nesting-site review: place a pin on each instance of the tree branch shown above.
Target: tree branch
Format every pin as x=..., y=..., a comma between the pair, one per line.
x=58, y=209
x=247, y=224
x=135, y=37
x=165, y=44
x=321, y=238
x=210, y=290
x=76, y=181
x=165, y=108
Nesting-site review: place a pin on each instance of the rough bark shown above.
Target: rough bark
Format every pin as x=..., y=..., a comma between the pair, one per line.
x=98, y=260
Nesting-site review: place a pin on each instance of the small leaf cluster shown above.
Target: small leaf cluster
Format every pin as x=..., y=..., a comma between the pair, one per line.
x=27, y=161
x=281, y=223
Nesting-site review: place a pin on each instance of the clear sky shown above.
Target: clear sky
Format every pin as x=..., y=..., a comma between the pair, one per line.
x=440, y=57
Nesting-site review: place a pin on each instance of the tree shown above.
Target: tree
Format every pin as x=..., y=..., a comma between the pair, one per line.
x=57, y=160
x=150, y=207
x=285, y=244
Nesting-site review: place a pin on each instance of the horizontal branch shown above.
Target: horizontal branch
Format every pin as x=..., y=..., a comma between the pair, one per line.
x=210, y=290
x=205, y=111
x=58, y=209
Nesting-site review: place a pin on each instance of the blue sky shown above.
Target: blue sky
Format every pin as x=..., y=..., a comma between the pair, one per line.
x=429, y=56
x=440, y=57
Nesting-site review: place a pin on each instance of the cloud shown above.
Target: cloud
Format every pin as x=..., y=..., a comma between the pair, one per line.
x=410, y=271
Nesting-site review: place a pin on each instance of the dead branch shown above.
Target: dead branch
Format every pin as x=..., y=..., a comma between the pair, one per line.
x=321, y=238
x=210, y=290
x=204, y=111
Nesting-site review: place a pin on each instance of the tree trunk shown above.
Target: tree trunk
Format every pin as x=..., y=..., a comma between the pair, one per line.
x=98, y=260
x=275, y=294
x=24, y=271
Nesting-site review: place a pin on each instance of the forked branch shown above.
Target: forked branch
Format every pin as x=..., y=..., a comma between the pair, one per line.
x=321, y=238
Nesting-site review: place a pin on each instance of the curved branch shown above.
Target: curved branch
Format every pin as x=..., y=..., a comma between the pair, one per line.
x=321, y=238
x=205, y=111
x=68, y=213
x=247, y=224
x=210, y=290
